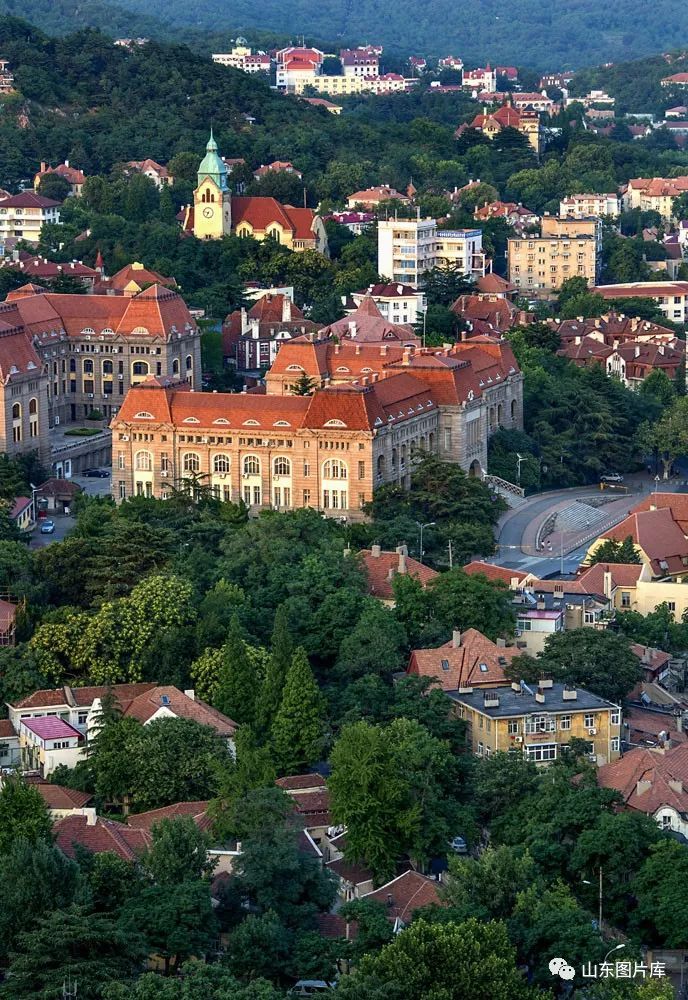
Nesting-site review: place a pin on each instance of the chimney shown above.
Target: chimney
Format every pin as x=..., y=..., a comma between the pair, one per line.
x=500, y=643
x=456, y=639
x=44, y=166
x=402, y=568
x=540, y=696
x=336, y=349
x=66, y=163
x=286, y=309
x=190, y=694
x=636, y=352
x=406, y=358
x=569, y=694
x=375, y=551
x=608, y=585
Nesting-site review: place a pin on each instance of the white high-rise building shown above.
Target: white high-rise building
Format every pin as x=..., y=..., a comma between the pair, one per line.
x=406, y=248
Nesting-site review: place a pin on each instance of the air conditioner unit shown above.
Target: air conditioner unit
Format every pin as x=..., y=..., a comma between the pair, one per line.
x=246, y=475
x=592, y=732
x=120, y=377
x=517, y=631
x=90, y=395
x=125, y=437
x=518, y=739
x=164, y=472
x=57, y=421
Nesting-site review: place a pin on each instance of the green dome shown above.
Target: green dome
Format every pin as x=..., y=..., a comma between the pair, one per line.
x=212, y=166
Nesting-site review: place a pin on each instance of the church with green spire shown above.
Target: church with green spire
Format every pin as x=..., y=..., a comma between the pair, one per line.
x=212, y=199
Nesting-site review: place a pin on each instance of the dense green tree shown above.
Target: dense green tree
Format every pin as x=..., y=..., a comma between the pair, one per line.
x=471, y=960
x=179, y=852
x=76, y=945
x=581, y=657
x=394, y=788
x=198, y=982
x=54, y=186
x=37, y=878
x=668, y=436
x=23, y=814
x=376, y=644
x=487, y=887
x=657, y=888
x=236, y=690
x=281, y=651
x=297, y=732
x=611, y=551
x=252, y=769
x=175, y=920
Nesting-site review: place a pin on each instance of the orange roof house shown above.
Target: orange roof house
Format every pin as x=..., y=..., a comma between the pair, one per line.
x=658, y=536
x=654, y=782
x=98, y=835
x=404, y=895
x=492, y=123
x=132, y=279
x=74, y=177
x=371, y=197
x=469, y=659
x=382, y=567
x=366, y=324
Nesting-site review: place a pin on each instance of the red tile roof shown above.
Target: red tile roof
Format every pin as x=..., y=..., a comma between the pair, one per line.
x=492, y=572
x=28, y=199
x=198, y=811
x=169, y=698
x=382, y=567
x=7, y=729
x=59, y=797
x=646, y=725
x=623, y=575
x=348, y=871
x=99, y=836
x=259, y=213
x=475, y=663
x=296, y=782
x=650, y=779
x=408, y=892
x=677, y=503
x=658, y=535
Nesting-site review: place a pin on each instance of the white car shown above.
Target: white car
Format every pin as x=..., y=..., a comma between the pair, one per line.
x=611, y=477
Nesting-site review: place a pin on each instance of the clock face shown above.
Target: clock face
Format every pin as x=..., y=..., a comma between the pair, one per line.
x=208, y=212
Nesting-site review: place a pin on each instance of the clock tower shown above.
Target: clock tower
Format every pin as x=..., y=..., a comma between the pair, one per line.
x=212, y=198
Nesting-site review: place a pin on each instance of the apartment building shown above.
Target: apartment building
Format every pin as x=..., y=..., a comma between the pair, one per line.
x=654, y=194
x=583, y=206
x=566, y=248
x=538, y=721
x=409, y=247
x=359, y=62
x=243, y=58
x=671, y=297
x=24, y=215
x=397, y=303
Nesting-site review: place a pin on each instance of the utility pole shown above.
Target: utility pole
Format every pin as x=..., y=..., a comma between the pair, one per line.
x=451, y=556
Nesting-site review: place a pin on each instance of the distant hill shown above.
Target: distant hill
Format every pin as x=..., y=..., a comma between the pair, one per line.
x=636, y=85
x=558, y=34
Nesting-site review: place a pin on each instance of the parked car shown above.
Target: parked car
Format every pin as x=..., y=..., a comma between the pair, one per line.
x=47, y=527
x=611, y=477
x=96, y=473
x=458, y=845
x=310, y=988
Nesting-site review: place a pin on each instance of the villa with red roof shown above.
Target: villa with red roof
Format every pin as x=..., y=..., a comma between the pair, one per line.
x=654, y=782
x=396, y=302
x=404, y=895
x=383, y=567
x=469, y=659
x=491, y=123
x=253, y=337
x=74, y=177
x=23, y=215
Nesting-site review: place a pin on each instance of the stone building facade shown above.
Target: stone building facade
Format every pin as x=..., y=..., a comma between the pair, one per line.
x=372, y=407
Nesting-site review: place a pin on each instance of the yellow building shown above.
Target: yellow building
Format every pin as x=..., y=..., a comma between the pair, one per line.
x=538, y=722
x=212, y=199
x=566, y=248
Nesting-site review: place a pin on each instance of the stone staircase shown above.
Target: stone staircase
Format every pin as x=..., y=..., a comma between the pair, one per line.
x=512, y=494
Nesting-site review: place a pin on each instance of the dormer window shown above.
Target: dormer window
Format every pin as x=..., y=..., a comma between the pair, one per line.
x=143, y=415
x=221, y=420
x=335, y=423
x=251, y=423
x=191, y=420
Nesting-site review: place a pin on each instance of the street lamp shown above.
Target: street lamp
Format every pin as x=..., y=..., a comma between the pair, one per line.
x=616, y=947
x=428, y=524
x=587, y=882
x=34, y=512
x=519, y=459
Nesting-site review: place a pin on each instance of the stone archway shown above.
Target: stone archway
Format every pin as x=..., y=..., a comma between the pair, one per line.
x=475, y=471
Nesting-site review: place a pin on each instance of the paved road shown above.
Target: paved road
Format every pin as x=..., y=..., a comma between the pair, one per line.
x=64, y=524
x=515, y=548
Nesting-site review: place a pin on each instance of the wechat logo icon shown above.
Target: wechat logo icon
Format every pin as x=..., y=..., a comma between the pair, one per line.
x=560, y=967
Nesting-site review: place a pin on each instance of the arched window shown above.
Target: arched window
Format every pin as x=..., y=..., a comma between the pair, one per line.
x=16, y=411
x=88, y=366
x=143, y=461
x=251, y=465
x=189, y=362
x=381, y=465
x=139, y=368
x=274, y=234
x=33, y=405
x=108, y=367
x=335, y=469
x=191, y=462
x=72, y=364
x=513, y=409
x=281, y=466
x=175, y=366
x=221, y=463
